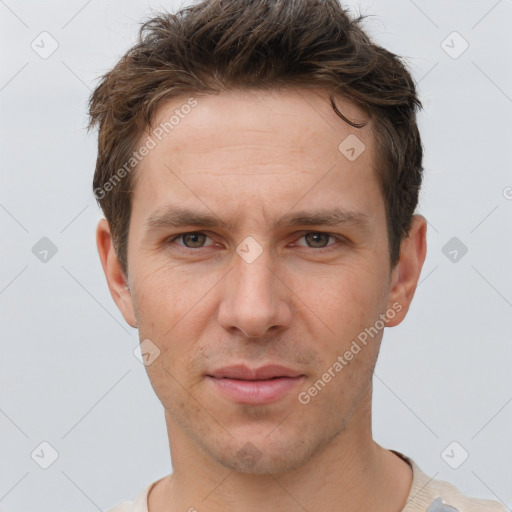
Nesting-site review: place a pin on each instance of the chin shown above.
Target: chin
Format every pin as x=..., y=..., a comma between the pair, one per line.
x=262, y=454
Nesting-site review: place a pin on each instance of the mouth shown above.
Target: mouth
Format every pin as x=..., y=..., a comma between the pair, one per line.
x=263, y=385
x=243, y=372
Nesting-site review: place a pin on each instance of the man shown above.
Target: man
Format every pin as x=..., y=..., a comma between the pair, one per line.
x=259, y=166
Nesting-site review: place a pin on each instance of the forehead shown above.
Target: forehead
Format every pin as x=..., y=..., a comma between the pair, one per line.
x=299, y=120
x=238, y=145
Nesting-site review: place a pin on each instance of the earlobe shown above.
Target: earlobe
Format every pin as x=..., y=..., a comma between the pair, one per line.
x=116, y=279
x=406, y=274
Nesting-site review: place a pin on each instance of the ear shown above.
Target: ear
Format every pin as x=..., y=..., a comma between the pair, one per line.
x=116, y=279
x=407, y=271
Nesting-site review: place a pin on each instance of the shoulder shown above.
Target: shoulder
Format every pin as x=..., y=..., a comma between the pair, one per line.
x=139, y=504
x=125, y=506
x=447, y=498
x=430, y=495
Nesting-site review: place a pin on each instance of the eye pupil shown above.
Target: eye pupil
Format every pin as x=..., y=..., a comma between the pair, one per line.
x=186, y=238
x=315, y=235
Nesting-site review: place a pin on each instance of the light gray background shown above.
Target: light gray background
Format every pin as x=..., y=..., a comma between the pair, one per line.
x=68, y=374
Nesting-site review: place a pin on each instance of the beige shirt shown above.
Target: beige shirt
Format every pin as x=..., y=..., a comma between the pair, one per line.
x=426, y=495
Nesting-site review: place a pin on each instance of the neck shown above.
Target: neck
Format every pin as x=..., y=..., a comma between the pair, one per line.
x=350, y=472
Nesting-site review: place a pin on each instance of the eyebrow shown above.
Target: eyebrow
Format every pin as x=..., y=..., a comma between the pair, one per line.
x=182, y=217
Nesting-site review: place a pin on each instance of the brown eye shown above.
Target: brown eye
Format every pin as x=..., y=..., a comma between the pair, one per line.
x=191, y=240
x=318, y=240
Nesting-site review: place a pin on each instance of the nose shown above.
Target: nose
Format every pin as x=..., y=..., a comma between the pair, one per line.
x=254, y=298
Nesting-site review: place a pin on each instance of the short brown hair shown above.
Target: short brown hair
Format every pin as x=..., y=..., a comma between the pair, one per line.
x=222, y=45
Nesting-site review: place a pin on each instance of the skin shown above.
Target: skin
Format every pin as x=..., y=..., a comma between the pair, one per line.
x=249, y=158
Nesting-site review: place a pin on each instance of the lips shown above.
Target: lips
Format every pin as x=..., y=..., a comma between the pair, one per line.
x=255, y=386
x=243, y=372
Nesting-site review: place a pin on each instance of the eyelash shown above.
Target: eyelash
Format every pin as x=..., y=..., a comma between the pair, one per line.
x=319, y=250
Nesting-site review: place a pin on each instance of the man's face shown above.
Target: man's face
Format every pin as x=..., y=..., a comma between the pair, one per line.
x=247, y=161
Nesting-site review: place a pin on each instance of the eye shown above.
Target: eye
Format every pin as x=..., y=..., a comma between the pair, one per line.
x=193, y=240
x=196, y=240
x=318, y=240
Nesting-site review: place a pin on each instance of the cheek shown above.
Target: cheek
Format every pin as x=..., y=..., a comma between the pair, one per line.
x=339, y=390
x=166, y=293
x=168, y=309
x=345, y=300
